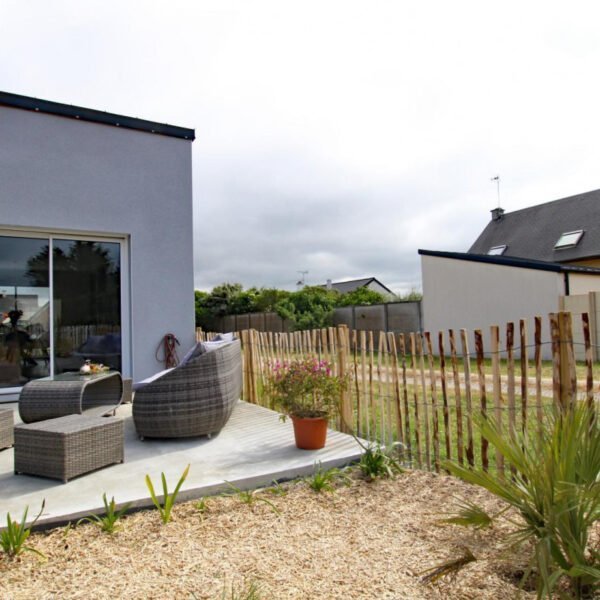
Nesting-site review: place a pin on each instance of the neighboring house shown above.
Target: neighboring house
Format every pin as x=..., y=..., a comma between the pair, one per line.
x=371, y=283
x=96, y=256
x=562, y=231
x=526, y=263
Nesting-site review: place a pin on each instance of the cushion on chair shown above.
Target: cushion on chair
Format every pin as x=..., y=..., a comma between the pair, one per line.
x=140, y=384
x=224, y=337
x=193, y=352
x=214, y=345
x=204, y=347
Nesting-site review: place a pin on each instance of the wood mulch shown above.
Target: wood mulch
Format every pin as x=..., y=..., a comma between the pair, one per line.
x=365, y=540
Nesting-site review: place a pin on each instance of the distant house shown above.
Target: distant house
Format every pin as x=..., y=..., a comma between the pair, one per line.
x=371, y=283
x=525, y=263
x=562, y=231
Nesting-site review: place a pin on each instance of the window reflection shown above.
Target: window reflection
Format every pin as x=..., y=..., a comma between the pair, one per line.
x=87, y=304
x=24, y=310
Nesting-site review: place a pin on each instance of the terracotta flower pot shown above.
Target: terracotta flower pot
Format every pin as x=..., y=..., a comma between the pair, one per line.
x=310, y=432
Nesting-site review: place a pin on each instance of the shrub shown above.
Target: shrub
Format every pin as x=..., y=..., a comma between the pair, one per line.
x=556, y=491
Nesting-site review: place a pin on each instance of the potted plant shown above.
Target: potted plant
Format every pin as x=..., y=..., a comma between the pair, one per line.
x=308, y=391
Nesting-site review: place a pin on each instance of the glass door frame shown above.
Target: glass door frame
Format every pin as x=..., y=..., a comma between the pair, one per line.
x=51, y=235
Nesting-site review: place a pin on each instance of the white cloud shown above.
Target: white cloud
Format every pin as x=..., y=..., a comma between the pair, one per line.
x=333, y=136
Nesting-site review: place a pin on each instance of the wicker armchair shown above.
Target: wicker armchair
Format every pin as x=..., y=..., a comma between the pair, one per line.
x=196, y=398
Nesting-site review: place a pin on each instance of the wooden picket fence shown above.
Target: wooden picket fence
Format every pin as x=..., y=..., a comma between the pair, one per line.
x=426, y=391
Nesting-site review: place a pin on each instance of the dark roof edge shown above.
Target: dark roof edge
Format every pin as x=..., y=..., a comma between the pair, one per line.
x=381, y=284
x=367, y=281
x=94, y=116
x=511, y=261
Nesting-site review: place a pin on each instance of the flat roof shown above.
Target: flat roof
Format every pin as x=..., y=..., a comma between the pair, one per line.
x=94, y=116
x=512, y=261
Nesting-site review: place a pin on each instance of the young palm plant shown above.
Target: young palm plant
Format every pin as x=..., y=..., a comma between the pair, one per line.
x=556, y=491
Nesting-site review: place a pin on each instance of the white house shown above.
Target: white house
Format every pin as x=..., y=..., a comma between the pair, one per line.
x=474, y=291
x=96, y=240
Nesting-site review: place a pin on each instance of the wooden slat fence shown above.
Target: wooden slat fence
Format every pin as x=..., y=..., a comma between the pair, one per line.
x=425, y=392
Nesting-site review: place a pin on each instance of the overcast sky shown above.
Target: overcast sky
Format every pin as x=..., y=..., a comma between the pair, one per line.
x=335, y=137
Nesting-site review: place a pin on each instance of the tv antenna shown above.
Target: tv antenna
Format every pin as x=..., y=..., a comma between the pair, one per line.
x=300, y=283
x=497, y=180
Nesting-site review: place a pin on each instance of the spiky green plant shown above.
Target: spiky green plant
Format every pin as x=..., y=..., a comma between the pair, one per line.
x=250, y=497
x=324, y=480
x=556, y=490
x=277, y=489
x=470, y=514
x=202, y=506
x=375, y=462
x=168, y=498
x=13, y=538
x=109, y=521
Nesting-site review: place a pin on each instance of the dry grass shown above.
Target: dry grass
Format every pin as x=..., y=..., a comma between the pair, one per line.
x=362, y=541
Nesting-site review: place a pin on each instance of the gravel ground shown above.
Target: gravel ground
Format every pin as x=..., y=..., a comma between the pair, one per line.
x=365, y=540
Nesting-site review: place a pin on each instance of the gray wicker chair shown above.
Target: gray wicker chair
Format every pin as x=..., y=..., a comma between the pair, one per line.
x=193, y=399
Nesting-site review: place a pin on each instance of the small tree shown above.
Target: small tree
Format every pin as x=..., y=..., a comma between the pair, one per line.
x=309, y=308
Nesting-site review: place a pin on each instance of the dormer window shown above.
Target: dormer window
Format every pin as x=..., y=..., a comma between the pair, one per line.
x=497, y=250
x=570, y=239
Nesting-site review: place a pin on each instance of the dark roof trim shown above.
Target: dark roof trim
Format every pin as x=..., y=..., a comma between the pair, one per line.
x=94, y=116
x=511, y=261
x=381, y=284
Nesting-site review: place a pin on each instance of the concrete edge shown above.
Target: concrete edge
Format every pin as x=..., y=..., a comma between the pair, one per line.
x=213, y=489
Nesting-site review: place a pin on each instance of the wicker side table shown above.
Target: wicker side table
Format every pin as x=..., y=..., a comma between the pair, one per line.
x=68, y=446
x=7, y=438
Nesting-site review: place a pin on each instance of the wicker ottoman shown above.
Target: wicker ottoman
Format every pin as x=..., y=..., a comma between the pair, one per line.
x=7, y=438
x=68, y=446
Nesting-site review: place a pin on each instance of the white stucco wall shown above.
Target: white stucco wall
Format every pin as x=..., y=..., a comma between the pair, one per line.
x=58, y=173
x=465, y=294
x=581, y=283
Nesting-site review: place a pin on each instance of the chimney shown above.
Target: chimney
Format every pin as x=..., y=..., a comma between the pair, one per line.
x=329, y=284
x=497, y=214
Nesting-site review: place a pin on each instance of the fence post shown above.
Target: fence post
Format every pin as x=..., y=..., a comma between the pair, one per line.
x=565, y=378
x=245, y=352
x=250, y=374
x=497, y=391
x=343, y=371
x=589, y=360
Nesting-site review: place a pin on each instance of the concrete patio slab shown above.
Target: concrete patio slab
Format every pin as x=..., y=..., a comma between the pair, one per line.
x=252, y=450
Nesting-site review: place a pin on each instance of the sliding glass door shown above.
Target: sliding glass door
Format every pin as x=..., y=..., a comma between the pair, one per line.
x=24, y=310
x=86, y=296
x=73, y=284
